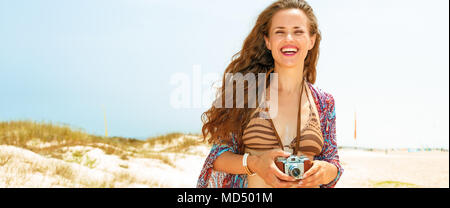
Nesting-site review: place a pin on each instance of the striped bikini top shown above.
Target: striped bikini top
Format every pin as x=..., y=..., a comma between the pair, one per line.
x=261, y=134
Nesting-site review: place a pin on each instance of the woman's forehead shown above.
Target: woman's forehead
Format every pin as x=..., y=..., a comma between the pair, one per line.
x=289, y=18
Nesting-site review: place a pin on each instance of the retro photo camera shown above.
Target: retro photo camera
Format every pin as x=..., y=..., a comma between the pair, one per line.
x=294, y=166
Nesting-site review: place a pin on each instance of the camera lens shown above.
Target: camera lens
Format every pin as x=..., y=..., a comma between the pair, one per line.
x=294, y=171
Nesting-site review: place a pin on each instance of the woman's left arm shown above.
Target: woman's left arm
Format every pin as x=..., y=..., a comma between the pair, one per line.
x=326, y=169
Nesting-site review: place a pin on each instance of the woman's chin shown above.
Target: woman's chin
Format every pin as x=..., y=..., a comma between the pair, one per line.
x=289, y=64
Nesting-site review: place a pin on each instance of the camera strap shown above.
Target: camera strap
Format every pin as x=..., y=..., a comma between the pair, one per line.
x=299, y=119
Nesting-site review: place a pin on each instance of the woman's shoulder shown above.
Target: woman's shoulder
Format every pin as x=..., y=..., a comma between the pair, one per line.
x=324, y=98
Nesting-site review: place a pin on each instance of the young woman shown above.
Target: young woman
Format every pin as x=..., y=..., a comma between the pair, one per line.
x=246, y=141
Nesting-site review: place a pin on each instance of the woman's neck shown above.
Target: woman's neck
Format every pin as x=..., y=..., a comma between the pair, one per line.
x=289, y=79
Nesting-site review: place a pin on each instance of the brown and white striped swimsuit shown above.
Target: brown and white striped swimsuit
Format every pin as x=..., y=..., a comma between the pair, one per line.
x=260, y=134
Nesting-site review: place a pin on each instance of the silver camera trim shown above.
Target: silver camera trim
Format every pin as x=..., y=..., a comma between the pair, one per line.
x=298, y=161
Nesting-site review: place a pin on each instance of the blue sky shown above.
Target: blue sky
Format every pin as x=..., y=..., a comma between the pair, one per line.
x=61, y=61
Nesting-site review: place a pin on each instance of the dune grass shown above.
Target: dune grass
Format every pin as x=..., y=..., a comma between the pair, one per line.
x=182, y=146
x=50, y=139
x=163, y=139
x=25, y=133
x=393, y=184
x=25, y=170
x=66, y=158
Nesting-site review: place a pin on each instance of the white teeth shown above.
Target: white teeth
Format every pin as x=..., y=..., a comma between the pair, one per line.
x=284, y=50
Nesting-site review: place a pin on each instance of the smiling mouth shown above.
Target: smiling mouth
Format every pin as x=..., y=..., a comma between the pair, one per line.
x=289, y=50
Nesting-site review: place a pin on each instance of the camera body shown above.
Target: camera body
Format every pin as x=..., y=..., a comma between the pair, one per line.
x=294, y=166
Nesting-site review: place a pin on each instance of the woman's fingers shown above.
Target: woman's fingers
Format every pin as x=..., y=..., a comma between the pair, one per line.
x=279, y=153
x=277, y=183
x=312, y=180
x=315, y=167
x=274, y=176
x=274, y=168
x=312, y=176
x=277, y=172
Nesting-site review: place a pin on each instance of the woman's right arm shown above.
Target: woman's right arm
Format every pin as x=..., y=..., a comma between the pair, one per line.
x=263, y=165
x=230, y=162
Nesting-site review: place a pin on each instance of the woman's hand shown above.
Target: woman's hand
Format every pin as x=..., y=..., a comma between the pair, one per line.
x=264, y=166
x=320, y=173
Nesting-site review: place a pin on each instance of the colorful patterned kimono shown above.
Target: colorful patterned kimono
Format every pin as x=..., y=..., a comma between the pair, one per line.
x=325, y=106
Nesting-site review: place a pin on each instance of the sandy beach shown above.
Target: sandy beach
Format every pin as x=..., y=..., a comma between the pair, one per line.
x=84, y=166
x=394, y=169
x=365, y=169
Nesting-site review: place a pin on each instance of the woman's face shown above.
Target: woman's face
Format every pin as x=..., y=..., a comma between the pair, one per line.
x=289, y=38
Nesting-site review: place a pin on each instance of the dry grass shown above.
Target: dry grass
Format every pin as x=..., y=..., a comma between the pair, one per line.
x=393, y=184
x=55, y=155
x=50, y=139
x=183, y=146
x=162, y=158
x=5, y=159
x=163, y=139
x=46, y=137
x=27, y=169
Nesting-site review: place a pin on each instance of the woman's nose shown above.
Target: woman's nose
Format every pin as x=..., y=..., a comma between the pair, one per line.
x=289, y=36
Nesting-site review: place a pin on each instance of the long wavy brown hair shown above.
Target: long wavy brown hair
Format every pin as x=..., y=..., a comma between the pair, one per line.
x=220, y=123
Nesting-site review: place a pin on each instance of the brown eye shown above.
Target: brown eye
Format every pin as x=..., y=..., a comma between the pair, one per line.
x=279, y=32
x=299, y=32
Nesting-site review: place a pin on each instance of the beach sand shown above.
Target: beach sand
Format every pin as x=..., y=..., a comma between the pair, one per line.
x=372, y=169
x=394, y=169
x=366, y=169
x=23, y=168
